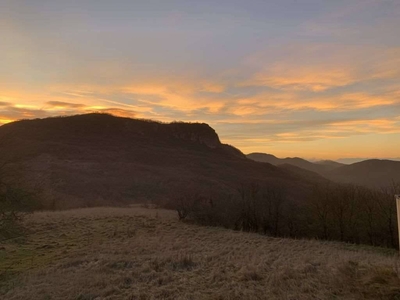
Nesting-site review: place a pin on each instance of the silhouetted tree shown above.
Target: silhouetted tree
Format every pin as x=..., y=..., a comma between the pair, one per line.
x=387, y=209
x=320, y=206
x=272, y=209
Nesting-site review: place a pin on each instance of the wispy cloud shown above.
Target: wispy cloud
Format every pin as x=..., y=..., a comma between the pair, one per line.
x=315, y=78
x=320, y=67
x=60, y=104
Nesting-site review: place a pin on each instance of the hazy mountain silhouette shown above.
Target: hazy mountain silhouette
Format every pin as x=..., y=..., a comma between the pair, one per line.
x=99, y=159
x=353, y=160
x=371, y=173
x=320, y=167
x=331, y=163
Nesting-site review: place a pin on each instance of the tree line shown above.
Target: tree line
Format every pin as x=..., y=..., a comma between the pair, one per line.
x=340, y=212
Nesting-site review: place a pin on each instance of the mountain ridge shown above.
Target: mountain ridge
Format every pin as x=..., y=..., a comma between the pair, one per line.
x=99, y=159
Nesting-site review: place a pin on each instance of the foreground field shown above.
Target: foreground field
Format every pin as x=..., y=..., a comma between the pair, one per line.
x=141, y=253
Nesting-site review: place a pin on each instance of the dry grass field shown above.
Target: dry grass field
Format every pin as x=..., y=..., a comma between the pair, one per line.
x=143, y=253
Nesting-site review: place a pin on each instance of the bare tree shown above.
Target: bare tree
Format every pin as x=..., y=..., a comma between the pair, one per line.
x=387, y=208
x=320, y=206
x=185, y=200
x=272, y=209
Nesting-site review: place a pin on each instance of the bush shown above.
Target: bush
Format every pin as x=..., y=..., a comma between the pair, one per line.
x=15, y=203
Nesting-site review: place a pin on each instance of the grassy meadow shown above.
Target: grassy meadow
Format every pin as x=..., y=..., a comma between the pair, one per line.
x=146, y=253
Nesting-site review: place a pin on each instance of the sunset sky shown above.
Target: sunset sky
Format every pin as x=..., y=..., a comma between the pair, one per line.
x=309, y=78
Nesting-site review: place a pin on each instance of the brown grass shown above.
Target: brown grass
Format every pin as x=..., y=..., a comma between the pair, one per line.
x=140, y=253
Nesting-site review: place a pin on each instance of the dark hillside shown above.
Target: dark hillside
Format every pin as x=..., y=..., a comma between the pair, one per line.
x=99, y=159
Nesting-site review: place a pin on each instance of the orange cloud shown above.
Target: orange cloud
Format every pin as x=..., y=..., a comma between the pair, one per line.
x=320, y=67
x=60, y=104
x=281, y=101
x=182, y=96
x=367, y=126
x=315, y=79
x=118, y=112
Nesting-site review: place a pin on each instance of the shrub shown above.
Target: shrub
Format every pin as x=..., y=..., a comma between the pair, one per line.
x=15, y=203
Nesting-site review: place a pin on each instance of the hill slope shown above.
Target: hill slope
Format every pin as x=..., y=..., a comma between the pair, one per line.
x=138, y=253
x=99, y=159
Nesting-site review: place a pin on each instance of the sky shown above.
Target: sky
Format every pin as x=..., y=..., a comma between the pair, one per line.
x=318, y=79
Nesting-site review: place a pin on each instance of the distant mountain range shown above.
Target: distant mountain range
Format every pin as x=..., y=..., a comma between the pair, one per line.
x=353, y=160
x=99, y=159
x=370, y=173
x=320, y=167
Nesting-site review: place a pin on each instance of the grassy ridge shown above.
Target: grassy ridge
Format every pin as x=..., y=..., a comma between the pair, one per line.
x=139, y=253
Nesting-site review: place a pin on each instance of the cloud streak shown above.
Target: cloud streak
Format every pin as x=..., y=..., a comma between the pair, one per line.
x=319, y=67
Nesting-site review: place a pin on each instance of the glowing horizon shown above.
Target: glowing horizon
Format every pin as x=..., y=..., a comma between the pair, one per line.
x=317, y=79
